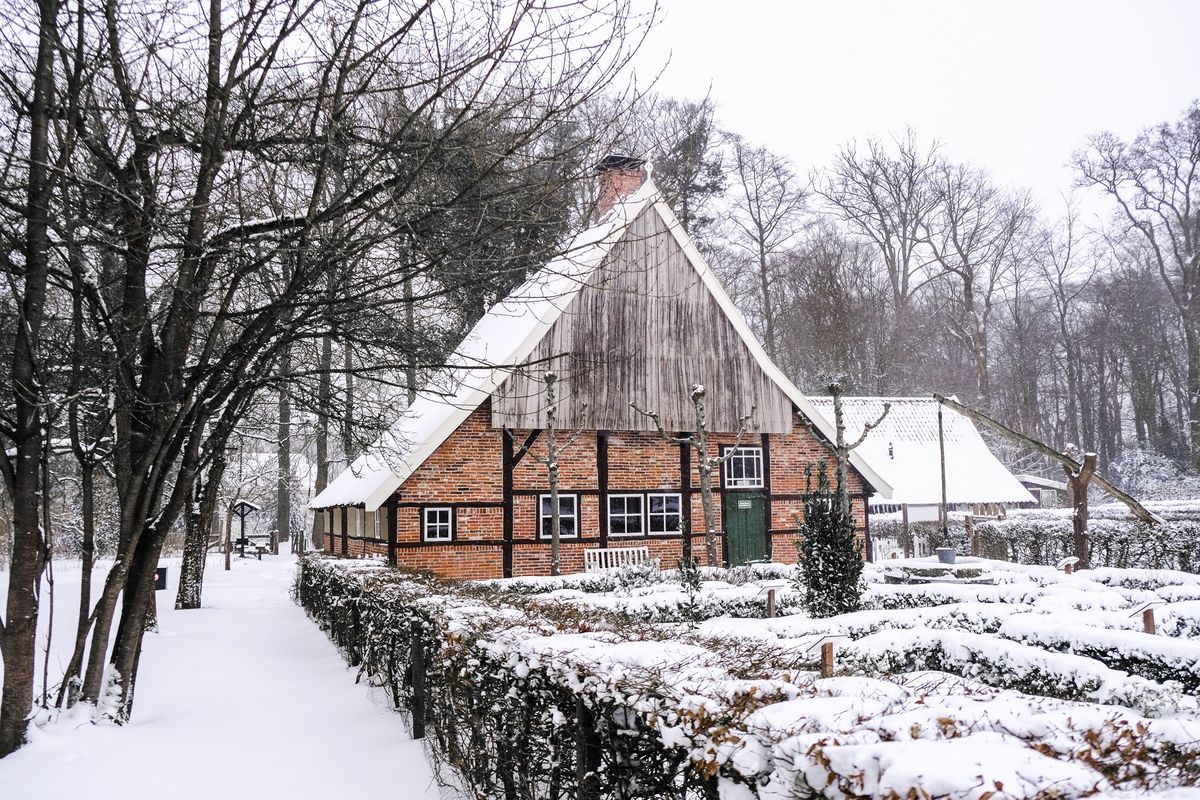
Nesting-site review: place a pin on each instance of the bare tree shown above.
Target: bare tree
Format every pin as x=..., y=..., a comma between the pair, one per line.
x=705, y=464
x=1154, y=183
x=766, y=216
x=887, y=198
x=26, y=257
x=550, y=461
x=198, y=294
x=976, y=233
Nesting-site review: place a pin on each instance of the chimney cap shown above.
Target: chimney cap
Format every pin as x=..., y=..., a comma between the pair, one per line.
x=618, y=161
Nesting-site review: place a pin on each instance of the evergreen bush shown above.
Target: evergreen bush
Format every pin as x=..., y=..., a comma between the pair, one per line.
x=831, y=560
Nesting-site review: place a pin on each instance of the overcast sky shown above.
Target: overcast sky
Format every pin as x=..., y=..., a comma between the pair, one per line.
x=1011, y=85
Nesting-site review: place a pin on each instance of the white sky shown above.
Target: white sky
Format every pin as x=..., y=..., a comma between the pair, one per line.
x=1013, y=86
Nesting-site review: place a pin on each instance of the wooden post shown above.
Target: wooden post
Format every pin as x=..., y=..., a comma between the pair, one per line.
x=390, y=510
x=969, y=524
x=827, y=660
x=770, y=602
x=1148, y=621
x=1068, y=568
x=587, y=753
x=942, y=461
x=417, y=666
x=905, y=533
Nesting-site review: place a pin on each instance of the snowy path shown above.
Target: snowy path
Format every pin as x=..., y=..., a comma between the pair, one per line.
x=244, y=698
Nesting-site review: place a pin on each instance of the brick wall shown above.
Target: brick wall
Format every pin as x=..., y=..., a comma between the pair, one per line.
x=466, y=474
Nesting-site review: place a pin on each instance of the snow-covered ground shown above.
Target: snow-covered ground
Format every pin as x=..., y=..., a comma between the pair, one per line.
x=244, y=698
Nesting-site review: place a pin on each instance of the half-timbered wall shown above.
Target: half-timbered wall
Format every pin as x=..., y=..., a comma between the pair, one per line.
x=467, y=475
x=644, y=329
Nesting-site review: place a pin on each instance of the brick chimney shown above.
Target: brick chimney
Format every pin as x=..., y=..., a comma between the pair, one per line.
x=620, y=176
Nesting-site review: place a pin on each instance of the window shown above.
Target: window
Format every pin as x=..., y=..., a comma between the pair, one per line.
x=568, y=517
x=665, y=513
x=625, y=515
x=744, y=469
x=438, y=524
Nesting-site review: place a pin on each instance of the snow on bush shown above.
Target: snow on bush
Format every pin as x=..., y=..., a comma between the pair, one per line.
x=1011, y=665
x=540, y=697
x=1159, y=658
x=1044, y=536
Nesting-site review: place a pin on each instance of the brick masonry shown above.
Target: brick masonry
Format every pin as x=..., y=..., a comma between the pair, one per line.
x=465, y=474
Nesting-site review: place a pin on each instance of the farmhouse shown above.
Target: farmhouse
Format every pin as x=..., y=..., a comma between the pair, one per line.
x=630, y=313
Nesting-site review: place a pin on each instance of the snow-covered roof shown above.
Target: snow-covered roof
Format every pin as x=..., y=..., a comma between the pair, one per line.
x=1041, y=483
x=904, y=448
x=507, y=334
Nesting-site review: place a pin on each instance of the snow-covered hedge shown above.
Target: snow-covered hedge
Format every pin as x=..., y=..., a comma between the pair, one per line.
x=1159, y=658
x=1044, y=536
x=528, y=698
x=1011, y=665
x=628, y=578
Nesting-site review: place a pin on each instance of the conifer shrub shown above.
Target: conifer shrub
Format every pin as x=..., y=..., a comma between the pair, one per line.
x=831, y=560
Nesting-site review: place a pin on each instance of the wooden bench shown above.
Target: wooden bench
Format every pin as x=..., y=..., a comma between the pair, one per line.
x=600, y=559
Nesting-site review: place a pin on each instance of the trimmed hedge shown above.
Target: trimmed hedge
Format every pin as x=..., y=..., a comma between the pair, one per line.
x=1011, y=665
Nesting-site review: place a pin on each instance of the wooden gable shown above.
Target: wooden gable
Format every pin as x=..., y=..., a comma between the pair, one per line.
x=645, y=328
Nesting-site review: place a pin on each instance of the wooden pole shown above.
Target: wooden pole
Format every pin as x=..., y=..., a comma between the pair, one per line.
x=827, y=660
x=1148, y=621
x=905, y=531
x=942, y=461
x=417, y=666
x=770, y=602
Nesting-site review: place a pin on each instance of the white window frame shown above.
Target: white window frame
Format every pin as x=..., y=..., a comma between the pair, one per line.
x=752, y=454
x=544, y=518
x=665, y=515
x=447, y=523
x=640, y=516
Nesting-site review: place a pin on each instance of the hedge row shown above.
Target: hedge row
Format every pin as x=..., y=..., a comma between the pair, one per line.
x=524, y=699
x=1012, y=665
x=1157, y=658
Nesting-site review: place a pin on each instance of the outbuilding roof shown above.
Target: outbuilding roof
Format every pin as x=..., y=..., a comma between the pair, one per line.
x=508, y=334
x=904, y=449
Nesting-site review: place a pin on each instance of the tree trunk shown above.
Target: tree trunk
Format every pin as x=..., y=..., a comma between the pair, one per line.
x=283, y=465
x=552, y=476
x=1078, y=483
x=1193, y=390
x=68, y=692
x=324, y=400
x=704, y=466
x=25, y=570
x=198, y=526
x=137, y=603
x=349, y=449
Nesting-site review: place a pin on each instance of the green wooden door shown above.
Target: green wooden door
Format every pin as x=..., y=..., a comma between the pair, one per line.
x=746, y=527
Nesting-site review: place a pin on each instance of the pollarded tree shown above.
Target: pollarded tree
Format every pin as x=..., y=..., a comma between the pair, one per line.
x=706, y=464
x=831, y=558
